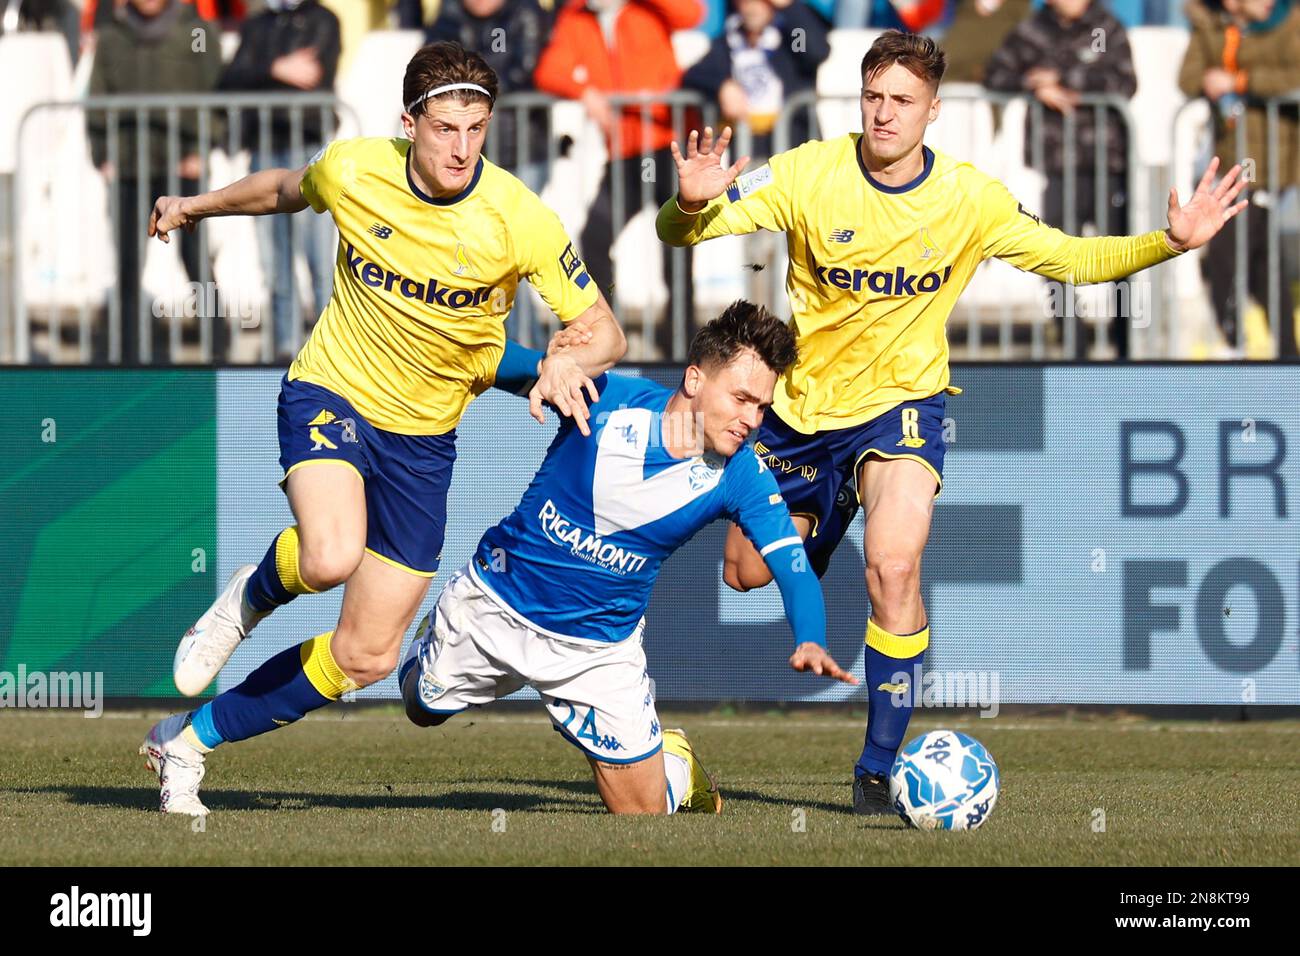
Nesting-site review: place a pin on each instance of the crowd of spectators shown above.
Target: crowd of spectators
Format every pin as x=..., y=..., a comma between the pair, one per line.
x=761, y=52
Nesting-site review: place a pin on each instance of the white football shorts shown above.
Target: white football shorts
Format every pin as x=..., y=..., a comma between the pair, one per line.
x=471, y=651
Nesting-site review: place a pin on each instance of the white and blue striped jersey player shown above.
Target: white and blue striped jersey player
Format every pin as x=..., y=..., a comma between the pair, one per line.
x=556, y=593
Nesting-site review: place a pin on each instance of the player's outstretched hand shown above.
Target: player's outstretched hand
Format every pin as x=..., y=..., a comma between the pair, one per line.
x=575, y=333
x=564, y=384
x=700, y=173
x=813, y=657
x=168, y=214
x=1207, y=211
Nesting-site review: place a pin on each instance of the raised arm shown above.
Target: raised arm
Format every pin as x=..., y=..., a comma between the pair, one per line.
x=258, y=194
x=1016, y=236
x=714, y=200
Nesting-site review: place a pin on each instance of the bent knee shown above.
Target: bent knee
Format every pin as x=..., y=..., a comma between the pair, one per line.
x=365, y=668
x=893, y=571
x=325, y=567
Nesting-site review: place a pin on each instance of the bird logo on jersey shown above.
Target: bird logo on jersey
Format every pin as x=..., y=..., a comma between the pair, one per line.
x=928, y=249
x=462, y=261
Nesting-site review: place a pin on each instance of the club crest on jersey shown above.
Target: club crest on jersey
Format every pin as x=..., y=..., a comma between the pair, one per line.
x=701, y=473
x=928, y=249
x=462, y=261
x=431, y=292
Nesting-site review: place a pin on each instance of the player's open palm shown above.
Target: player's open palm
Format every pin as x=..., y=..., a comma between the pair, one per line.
x=700, y=173
x=168, y=214
x=563, y=384
x=813, y=657
x=1210, y=207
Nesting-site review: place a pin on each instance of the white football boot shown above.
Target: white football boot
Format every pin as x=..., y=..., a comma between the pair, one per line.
x=178, y=765
x=207, y=646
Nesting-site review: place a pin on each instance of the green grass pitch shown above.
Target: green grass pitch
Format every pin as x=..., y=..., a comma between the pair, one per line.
x=361, y=785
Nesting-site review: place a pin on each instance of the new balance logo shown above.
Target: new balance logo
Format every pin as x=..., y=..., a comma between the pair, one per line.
x=842, y=235
x=383, y=232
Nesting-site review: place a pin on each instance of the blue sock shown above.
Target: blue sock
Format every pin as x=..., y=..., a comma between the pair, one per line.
x=201, y=724
x=890, y=696
x=289, y=685
x=277, y=580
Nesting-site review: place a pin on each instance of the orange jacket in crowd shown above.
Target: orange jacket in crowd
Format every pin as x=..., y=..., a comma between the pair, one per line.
x=641, y=60
x=207, y=9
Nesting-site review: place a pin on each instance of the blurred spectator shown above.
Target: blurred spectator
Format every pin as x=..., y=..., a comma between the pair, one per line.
x=622, y=47
x=291, y=47
x=54, y=15
x=715, y=14
x=96, y=13
x=416, y=14
x=149, y=48
x=1239, y=54
x=769, y=51
x=978, y=28
x=911, y=16
x=1067, y=48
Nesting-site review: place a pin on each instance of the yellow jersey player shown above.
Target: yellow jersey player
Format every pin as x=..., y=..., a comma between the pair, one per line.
x=883, y=234
x=433, y=242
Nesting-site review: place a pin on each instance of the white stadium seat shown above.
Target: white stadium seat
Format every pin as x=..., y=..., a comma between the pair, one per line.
x=1157, y=57
x=838, y=77
x=689, y=46
x=371, y=85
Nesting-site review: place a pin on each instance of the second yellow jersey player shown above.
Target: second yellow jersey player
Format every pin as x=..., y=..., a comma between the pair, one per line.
x=876, y=270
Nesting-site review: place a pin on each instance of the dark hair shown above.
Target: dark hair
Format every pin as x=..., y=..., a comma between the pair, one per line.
x=918, y=54
x=442, y=63
x=744, y=325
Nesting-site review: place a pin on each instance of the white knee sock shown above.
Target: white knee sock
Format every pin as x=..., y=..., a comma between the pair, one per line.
x=678, y=772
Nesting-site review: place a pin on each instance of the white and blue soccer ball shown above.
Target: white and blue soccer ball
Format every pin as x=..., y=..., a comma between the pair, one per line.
x=944, y=780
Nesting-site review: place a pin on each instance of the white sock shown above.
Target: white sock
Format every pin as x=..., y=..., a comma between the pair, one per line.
x=678, y=772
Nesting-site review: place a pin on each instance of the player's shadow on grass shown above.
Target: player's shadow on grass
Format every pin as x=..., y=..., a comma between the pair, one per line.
x=843, y=809
x=144, y=798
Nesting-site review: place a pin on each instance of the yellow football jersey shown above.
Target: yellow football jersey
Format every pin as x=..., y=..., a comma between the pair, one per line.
x=422, y=286
x=875, y=270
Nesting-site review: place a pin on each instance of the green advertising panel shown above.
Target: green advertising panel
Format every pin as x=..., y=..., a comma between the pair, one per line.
x=107, y=488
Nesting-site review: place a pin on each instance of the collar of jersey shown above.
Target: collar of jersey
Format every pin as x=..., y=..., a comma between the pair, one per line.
x=450, y=200
x=920, y=177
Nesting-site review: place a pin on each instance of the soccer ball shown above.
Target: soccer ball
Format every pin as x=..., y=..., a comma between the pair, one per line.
x=944, y=780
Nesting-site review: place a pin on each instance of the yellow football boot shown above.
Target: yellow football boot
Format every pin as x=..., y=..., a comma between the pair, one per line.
x=702, y=794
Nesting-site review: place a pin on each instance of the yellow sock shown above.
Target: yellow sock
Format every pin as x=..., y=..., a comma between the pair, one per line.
x=322, y=670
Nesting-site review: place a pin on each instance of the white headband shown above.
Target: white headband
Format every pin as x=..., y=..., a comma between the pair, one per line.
x=447, y=89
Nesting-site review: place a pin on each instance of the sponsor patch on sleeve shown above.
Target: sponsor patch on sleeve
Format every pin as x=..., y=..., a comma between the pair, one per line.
x=749, y=183
x=572, y=267
x=774, y=499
